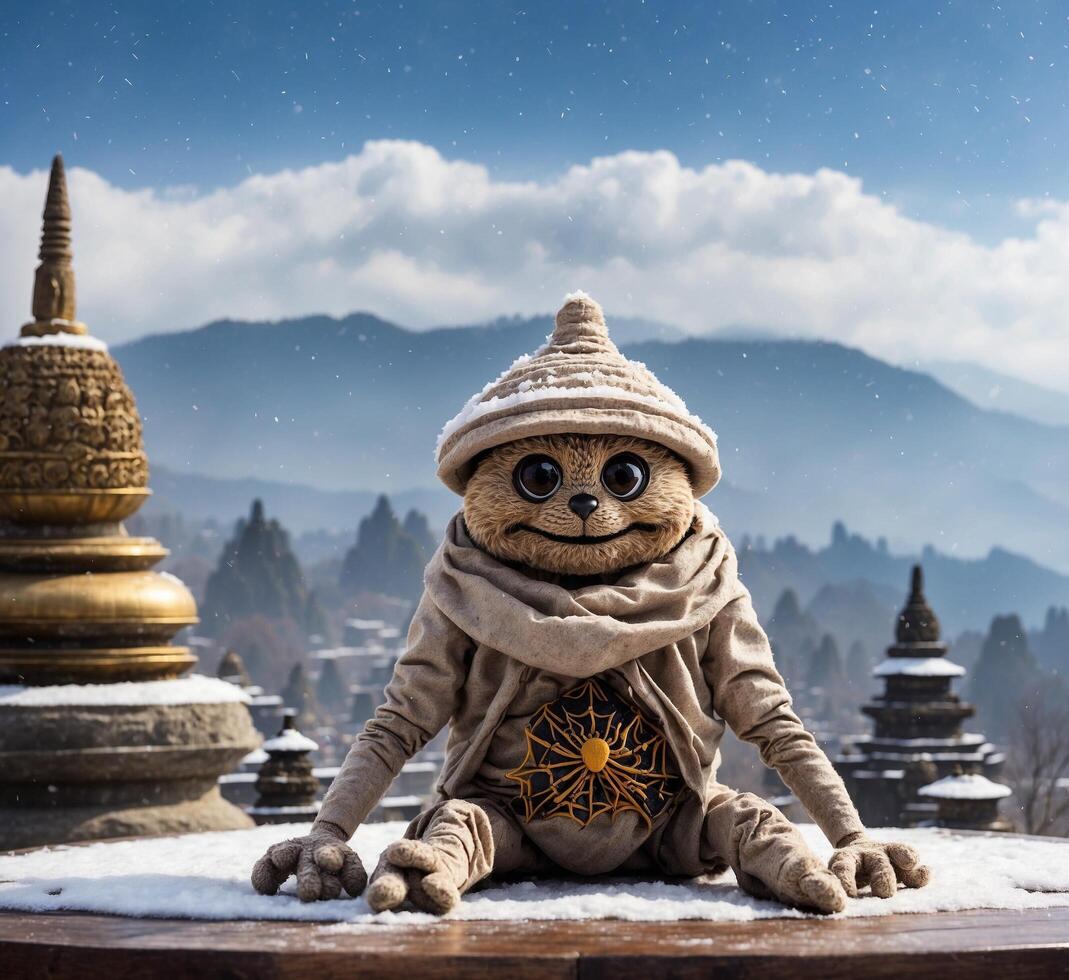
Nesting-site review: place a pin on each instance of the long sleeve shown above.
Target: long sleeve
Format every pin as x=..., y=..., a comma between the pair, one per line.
x=420, y=700
x=749, y=694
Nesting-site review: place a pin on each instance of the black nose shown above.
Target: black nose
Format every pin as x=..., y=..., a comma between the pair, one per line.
x=583, y=504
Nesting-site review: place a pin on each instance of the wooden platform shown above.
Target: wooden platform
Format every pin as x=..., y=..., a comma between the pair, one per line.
x=947, y=946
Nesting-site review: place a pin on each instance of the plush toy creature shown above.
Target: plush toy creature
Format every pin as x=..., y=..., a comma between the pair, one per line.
x=585, y=635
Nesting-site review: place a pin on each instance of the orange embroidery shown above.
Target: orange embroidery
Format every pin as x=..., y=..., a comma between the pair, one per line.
x=591, y=752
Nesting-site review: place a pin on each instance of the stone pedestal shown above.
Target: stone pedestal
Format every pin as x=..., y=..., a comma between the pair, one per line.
x=101, y=768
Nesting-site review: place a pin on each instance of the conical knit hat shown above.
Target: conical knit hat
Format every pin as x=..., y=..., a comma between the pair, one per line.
x=578, y=382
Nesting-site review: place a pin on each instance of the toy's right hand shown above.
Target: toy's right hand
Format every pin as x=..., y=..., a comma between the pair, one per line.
x=322, y=861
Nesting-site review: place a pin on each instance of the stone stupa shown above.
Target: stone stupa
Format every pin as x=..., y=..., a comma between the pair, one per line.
x=918, y=736
x=286, y=784
x=100, y=736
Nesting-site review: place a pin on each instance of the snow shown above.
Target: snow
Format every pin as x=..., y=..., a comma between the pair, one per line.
x=918, y=667
x=194, y=689
x=964, y=740
x=206, y=876
x=82, y=341
x=535, y=390
x=969, y=786
x=392, y=802
x=278, y=810
x=476, y=408
x=290, y=740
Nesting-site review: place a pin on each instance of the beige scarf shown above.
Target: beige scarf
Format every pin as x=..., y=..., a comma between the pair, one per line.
x=589, y=630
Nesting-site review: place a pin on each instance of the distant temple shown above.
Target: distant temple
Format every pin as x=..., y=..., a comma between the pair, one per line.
x=918, y=738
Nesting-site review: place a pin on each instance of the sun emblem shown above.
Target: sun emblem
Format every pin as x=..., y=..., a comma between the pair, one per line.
x=591, y=752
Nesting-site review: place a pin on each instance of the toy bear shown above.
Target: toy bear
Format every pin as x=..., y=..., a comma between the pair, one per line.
x=584, y=633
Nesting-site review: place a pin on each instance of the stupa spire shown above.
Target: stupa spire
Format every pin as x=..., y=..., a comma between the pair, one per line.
x=916, y=622
x=54, y=298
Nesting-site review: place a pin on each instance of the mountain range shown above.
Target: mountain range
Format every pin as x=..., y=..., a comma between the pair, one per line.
x=992, y=389
x=810, y=432
x=853, y=586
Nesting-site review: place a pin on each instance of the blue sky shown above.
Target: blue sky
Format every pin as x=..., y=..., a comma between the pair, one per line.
x=893, y=179
x=950, y=110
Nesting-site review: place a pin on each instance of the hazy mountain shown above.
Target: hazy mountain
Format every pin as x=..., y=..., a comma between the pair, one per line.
x=854, y=588
x=297, y=506
x=809, y=432
x=258, y=575
x=625, y=329
x=990, y=389
x=857, y=611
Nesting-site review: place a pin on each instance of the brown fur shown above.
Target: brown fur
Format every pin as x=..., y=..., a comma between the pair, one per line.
x=493, y=508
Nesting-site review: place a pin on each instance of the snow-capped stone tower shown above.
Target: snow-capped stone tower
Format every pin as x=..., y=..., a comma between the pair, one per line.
x=968, y=801
x=918, y=735
x=286, y=785
x=82, y=756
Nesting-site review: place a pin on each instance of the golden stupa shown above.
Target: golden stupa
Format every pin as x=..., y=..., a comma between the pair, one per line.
x=81, y=757
x=79, y=602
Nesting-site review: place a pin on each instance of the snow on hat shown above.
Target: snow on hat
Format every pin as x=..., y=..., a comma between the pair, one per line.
x=578, y=382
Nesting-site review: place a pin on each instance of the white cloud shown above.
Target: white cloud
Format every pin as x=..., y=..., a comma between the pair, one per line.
x=400, y=231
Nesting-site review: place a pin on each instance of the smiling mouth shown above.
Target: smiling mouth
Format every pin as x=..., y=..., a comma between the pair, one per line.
x=582, y=538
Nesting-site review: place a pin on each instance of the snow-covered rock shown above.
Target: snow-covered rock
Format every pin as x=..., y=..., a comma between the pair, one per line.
x=206, y=876
x=194, y=689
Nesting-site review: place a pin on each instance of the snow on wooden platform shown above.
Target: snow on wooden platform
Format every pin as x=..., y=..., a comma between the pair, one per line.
x=205, y=876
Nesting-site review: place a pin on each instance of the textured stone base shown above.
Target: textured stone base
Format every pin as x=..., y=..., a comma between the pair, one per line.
x=34, y=826
x=87, y=772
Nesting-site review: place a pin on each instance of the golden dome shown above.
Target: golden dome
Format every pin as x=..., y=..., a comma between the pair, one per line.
x=71, y=449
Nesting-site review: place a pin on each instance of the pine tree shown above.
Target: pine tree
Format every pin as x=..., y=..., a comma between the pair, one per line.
x=1051, y=644
x=331, y=690
x=298, y=694
x=316, y=622
x=792, y=633
x=385, y=558
x=257, y=574
x=826, y=666
x=1005, y=671
x=787, y=610
x=859, y=668
x=417, y=527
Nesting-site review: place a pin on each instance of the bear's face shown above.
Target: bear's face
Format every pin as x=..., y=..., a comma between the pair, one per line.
x=579, y=505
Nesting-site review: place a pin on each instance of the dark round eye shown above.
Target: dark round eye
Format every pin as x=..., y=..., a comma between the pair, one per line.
x=536, y=478
x=625, y=476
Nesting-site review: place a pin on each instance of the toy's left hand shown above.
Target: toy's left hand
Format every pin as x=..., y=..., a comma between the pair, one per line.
x=859, y=861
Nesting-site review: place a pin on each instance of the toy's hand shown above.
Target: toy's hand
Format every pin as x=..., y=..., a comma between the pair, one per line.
x=859, y=861
x=322, y=861
x=804, y=883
